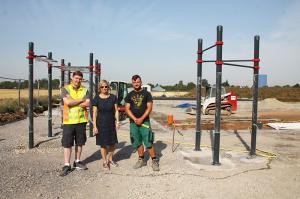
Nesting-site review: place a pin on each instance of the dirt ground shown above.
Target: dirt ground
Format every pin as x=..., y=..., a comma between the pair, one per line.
x=269, y=110
x=184, y=173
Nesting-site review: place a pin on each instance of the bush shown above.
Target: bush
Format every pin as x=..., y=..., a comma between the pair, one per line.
x=286, y=94
x=11, y=105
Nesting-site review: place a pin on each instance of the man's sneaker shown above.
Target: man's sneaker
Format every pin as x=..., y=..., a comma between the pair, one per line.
x=65, y=170
x=140, y=163
x=79, y=165
x=155, y=165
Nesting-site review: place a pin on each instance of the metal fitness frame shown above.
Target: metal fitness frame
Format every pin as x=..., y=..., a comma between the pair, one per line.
x=219, y=62
x=85, y=69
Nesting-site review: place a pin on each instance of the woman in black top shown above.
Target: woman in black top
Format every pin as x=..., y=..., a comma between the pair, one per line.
x=105, y=122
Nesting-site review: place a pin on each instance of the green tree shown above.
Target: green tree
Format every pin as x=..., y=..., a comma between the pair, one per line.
x=190, y=86
x=225, y=84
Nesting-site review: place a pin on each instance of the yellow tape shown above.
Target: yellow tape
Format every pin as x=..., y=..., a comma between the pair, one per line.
x=146, y=126
x=259, y=152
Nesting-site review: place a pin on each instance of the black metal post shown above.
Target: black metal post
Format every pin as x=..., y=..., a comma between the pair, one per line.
x=198, y=97
x=19, y=93
x=62, y=84
x=216, y=146
x=96, y=76
x=255, y=95
x=99, y=72
x=49, y=96
x=62, y=73
x=69, y=73
x=30, y=91
x=91, y=95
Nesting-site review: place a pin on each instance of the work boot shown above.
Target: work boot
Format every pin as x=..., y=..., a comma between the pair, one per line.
x=155, y=165
x=140, y=163
x=65, y=170
x=79, y=165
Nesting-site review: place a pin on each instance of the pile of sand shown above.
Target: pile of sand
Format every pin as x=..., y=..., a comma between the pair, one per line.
x=273, y=103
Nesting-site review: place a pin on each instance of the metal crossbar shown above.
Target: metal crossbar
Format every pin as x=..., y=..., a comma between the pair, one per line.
x=208, y=48
x=238, y=65
x=74, y=68
x=44, y=58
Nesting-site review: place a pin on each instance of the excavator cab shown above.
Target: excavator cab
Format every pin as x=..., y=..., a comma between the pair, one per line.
x=211, y=91
x=120, y=90
x=228, y=101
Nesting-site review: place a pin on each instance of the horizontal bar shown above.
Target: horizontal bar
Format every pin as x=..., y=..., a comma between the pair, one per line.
x=238, y=60
x=238, y=65
x=208, y=48
x=10, y=78
x=73, y=68
x=209, y=60
x=43, y=58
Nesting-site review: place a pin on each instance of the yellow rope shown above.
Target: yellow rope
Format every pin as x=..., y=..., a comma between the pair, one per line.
x=259, y=152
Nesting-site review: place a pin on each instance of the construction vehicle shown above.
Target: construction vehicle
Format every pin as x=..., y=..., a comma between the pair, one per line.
x=228, y=101
x=120, y=89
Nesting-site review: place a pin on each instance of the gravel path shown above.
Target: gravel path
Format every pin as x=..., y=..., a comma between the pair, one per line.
x=184, y=173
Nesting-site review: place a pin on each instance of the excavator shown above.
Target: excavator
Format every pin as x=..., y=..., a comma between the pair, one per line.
x=208, y=103
x=228, y=101
x=120, y=89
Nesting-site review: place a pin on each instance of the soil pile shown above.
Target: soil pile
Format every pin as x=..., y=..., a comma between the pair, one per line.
x=11, y=117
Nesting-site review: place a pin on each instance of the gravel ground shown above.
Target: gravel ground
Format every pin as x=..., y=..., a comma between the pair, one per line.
x=184, y=173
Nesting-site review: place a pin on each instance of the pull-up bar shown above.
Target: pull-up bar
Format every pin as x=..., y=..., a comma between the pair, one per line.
x=48, y=59
x=219, y=62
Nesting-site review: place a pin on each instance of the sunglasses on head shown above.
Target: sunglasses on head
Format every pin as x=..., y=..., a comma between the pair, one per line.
x=103, y=86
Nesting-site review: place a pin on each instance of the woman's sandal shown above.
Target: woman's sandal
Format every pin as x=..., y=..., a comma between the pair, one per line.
x=105, y=165
x=114, y=164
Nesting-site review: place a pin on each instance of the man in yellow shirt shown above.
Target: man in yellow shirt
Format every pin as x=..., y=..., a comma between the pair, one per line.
x=75, y=118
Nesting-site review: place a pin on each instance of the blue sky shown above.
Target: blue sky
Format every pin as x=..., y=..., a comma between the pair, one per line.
x=156, y=39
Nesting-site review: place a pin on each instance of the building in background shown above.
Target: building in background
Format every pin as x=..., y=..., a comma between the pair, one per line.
x=146, y=87
x=262, y=80
x=158, y=88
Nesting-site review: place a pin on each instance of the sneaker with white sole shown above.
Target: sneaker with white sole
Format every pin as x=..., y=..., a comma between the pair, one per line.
x=65, y=170
x=79, y=165
x=155, y=164
x=140, y=163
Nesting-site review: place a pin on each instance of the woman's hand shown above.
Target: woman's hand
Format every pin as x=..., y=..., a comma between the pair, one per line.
x=117, y=125
x=95, y=130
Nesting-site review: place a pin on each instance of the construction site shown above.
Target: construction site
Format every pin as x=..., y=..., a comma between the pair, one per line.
x=184, y=173
x=270, y=111
x=211, y=145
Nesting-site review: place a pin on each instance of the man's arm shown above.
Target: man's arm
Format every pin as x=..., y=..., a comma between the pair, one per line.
x=128, y=112
x=85, y=103
x=86, y=100
x=69, y=101
x=146, y=113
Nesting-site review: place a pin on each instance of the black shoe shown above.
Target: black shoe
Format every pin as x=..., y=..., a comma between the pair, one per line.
x=65, y=170
x=79, y=165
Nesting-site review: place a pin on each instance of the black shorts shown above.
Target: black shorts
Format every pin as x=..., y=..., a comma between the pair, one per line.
x=73, y=132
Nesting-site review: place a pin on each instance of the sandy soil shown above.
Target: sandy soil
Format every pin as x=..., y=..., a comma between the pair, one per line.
x=269, y=110
x=184, y=173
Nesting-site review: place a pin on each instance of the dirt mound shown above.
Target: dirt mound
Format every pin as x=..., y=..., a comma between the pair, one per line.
x=11, y=117
x=273, y=103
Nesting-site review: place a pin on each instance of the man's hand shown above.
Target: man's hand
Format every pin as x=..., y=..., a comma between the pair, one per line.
x=85, y=103
x=139, y=121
